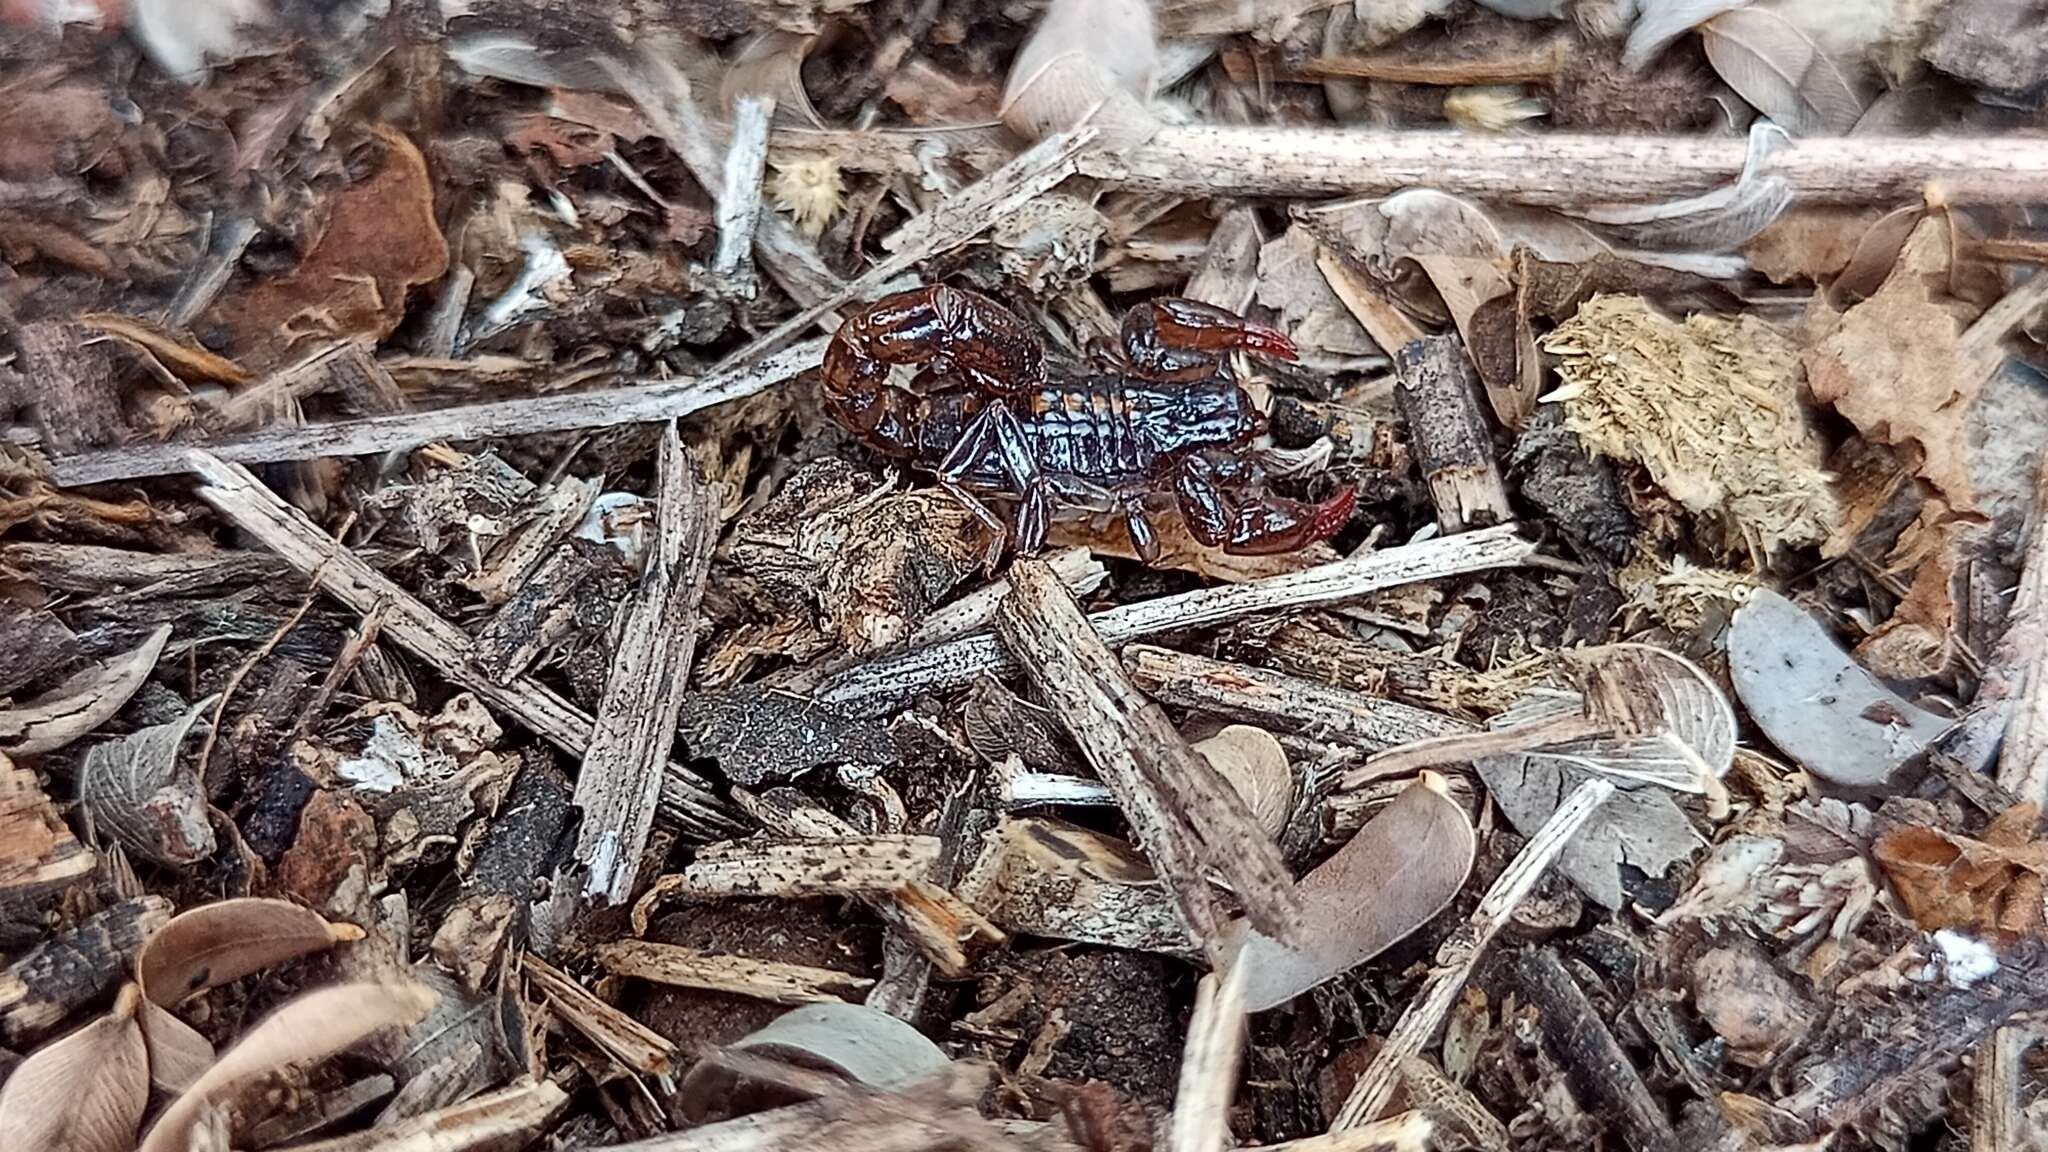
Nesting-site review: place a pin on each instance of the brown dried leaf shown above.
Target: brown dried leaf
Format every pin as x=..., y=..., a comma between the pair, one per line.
x=1256, y=765
x=84, y=1093
x=216, y=943
x=381, y=240
x=1895, y=365
x=1779, y=69
x=178, y=1055
x=82, y=703
x=1387, y=881
x=1994, y=884
x=1811, y=242
x=311, y=1027
x=136, y=789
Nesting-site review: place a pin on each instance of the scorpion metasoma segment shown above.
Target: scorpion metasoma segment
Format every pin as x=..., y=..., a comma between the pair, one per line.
x=1162, y=424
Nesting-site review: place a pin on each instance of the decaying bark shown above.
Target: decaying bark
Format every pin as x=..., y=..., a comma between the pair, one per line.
x=1190, y=822
x=74, y=968
x=1598, y=1069
x=1439, y=396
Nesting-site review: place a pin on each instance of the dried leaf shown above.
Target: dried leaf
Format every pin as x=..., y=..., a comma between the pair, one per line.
x=178, y=1055
x=1674, y=726
x=1663, y=21
x=82, y=703
x=1310, y=311
x=381, y=240
x=1256, y=765
x=1895, y=365
x=136, y=789
x=311, y=1027
x=1640, y=826
x=1779, y=69
x=772, y=65
x=217, y=943
x=1810, y=242
x=84, y=1093
x=1993, y=884
x=1717, y=221
x=1387, y=881
x=1087, y=62
x=1815, y=704
x=1710, y=407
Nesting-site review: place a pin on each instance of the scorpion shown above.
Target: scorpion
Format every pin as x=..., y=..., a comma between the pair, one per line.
x=1156, y=424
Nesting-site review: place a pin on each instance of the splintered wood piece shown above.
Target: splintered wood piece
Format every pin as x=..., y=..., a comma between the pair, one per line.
x=883, y=684
x=626, y=1040
x=1208, y=1066
x=621, y=778
x=1996, y=1123
x=849, y=867
x=1284, y=703
x=2021, y=661
x=936, y=1114
x=1598, y=1069
x=1439, y=396
x=1459, y=955
x=1188, y=819
x=38, y=853
x=243, y=500
x=641, y=402
x=770, y=980
x=1039, y=877
x=508, y=1118
x=75, y=967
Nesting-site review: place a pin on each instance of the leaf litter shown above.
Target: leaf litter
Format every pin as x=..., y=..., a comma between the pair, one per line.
x=1652, y=758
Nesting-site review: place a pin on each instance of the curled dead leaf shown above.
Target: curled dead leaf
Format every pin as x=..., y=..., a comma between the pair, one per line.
x=1994, y=884
x=1087, y=62
x=1778, y=68
x=216, y=943
x=1256, y=765
x=1387, y=881
x=309, y=1028
x=772, y=65
x=81, y=703
x=137, y=789
x=83, y=1093
x=178, y=1054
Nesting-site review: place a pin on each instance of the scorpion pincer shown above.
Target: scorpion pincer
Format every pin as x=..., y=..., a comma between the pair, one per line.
x=1160, y=424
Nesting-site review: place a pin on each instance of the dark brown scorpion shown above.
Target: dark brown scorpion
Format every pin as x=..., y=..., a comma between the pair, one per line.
x=990, y=414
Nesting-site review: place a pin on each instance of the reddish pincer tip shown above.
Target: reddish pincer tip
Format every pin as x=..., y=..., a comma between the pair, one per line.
x=1332, y=514
x=1269, y=341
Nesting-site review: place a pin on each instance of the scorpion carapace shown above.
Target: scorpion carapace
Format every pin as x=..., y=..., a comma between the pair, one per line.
x=1160, y=422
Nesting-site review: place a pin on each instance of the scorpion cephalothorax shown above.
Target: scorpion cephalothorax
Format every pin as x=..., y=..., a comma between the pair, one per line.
x=988, y=413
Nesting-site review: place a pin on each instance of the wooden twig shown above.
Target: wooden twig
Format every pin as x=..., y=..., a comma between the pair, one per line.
x=1593, y=1060
x=1284, y=703
x=619, y=784
x=770, y=980
x=640, y=403
x=367, y=630
x=739, y=201
x=879, y=686
x=246, y=503
x=1459, y=955
x=1552, y=169
x=1208, y=1065
x=1439, y=398
x=2020, y=664
x=1408, y=1132
x=1188, y=819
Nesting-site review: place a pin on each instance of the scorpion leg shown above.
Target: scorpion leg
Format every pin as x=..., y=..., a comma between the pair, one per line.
x=1144, y=540
x=1174, y=339
x=996, y=435
x=1260, y=525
